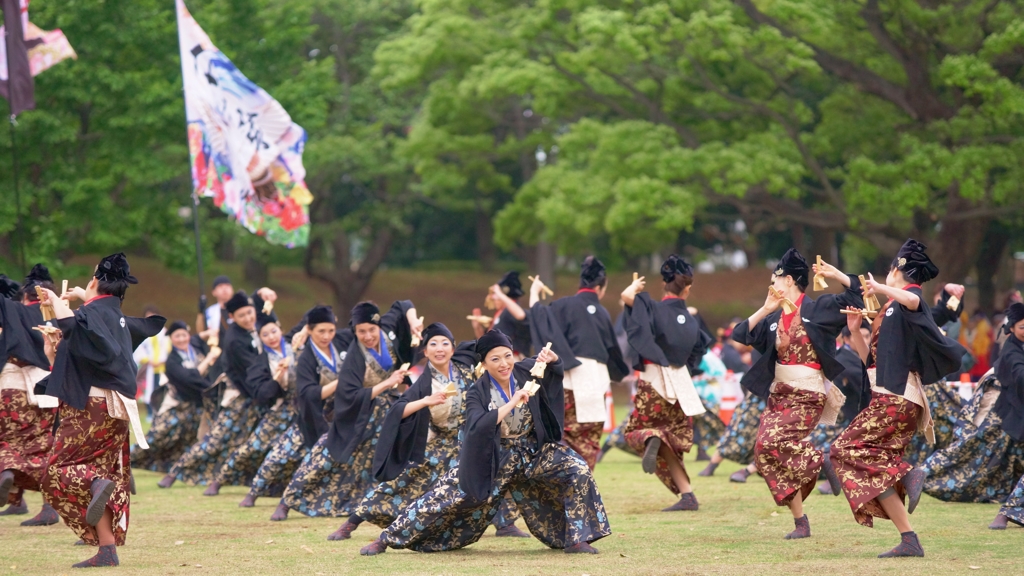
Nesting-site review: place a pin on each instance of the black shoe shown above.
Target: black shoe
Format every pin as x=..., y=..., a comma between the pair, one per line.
x=709, y=470
x=19, y=509
x=740, y=476
x=650, y=458
x=702, y=454
x=510, y=531
x=830, y=474
x=999, y=523
x=374, y=548
x=803, y=528
x=101, y=490
x=46, y=517
x=6, y=483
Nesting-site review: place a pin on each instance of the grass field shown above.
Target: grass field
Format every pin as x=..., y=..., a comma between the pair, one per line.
x=737, y=531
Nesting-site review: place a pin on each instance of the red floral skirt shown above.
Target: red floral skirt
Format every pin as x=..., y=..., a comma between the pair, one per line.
x=653, y=416
x=25, y=441
x=868, y=456
x=89, y=444
x=583, y=437
x=782, y=453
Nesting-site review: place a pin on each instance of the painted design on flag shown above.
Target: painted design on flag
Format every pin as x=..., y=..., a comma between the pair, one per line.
x=246, y=153
x=45, y=47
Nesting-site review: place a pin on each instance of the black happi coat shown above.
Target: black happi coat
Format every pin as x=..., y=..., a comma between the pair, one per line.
x=188, y=384
x=943, y=315
x=353, y=402
x=480, y=458
x=97, y=351
x=851, y=382
x=1010, y=372
x=403, y=441
x=314, y=411
x=578, y=326
x=909, y=341
x=518, y=331
x=665, y=333
x=823, y=321
x=18, y=339
x=248, y=368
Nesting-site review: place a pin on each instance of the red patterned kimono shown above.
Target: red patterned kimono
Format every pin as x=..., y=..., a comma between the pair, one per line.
x=868, y=456
x=653, y=416
x=89, y=444
x=782, y=453
x=583, y=437
x=25, y=441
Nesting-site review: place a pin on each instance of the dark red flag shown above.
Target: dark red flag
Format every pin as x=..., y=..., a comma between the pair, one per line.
x=19, y=88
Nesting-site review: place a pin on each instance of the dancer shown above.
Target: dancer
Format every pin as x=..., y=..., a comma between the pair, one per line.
x=176, y=423
x=336, y=475
x=1010, y=407
x=906, y=351
x=509, y=317
x=670, y=345
x=276, y=364
x=798, y=360
x=245, y=399
x=89, y=470
x=26, y=419
x=511, y=445
x=580, y=331
x=316, y=379
x=421, y=437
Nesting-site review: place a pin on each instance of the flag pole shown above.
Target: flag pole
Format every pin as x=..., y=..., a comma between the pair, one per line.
x=17, y=195
x=199, y=253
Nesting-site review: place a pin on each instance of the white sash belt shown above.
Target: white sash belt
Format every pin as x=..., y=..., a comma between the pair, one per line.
x=25, y=379
x=804, y=377
x=121, y=407
x=674, y=384
x=589, y=382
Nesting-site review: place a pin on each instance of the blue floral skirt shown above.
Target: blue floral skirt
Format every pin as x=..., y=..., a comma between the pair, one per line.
x=230, y=430
x=242, y=465
x=737, y=444
x=551, y=485
x=286, y=454
x=172, y=433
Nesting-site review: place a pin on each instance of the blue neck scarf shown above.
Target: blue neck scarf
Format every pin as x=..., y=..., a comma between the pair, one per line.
x=383, y=357
x=331, y=362
x=511, y=387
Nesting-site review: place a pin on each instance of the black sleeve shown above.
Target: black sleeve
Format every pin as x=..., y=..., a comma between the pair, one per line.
x=638, y=321
x=478, y=462
x=403, y=440
x=186, y=380
x=544, y=328
x=756, y=337
x=308, y=400
x=704, y=341
x=828, y=308
x=258, y=383
x=942, y=314
x=142, y=328
x=395, y=320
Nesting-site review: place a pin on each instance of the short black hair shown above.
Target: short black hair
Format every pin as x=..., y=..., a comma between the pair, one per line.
x=846, y=332
x=115, y=288
x=29, y=290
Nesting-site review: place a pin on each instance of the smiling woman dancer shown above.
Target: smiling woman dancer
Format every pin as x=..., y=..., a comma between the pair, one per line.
x=511, y=445
x=422, y=435
x=906, y=351
x=337, y=474
x=670, y=346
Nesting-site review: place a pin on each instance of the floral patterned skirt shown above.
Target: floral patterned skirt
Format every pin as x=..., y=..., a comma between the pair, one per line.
x=323, y=487
x=286, y=454
x=653, y=416
x=171, y=434
x=824, y=435
x=982, y=463
x=583, y=437
x=945, y=405
x=1013, y=508
x=230, y=430
x=243, y=463
x=782, y=453
x=552, y=486
x=868, y=456
x=737, y=443
x=25, y=441
x=617, y=439
x=88, y=445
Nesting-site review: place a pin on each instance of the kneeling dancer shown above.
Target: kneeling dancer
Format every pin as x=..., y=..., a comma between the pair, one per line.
x=670, y=345
x=798, y=362
x=511, y=445
x=906, y=351
x=87, y=479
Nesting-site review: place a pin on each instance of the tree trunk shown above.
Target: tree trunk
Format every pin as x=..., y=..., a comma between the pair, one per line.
x=546, y=263
x=823, y=243
x=796, y=232
x=486, y=252
x=256, y=271
x=955, y=247
x=993, y=253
